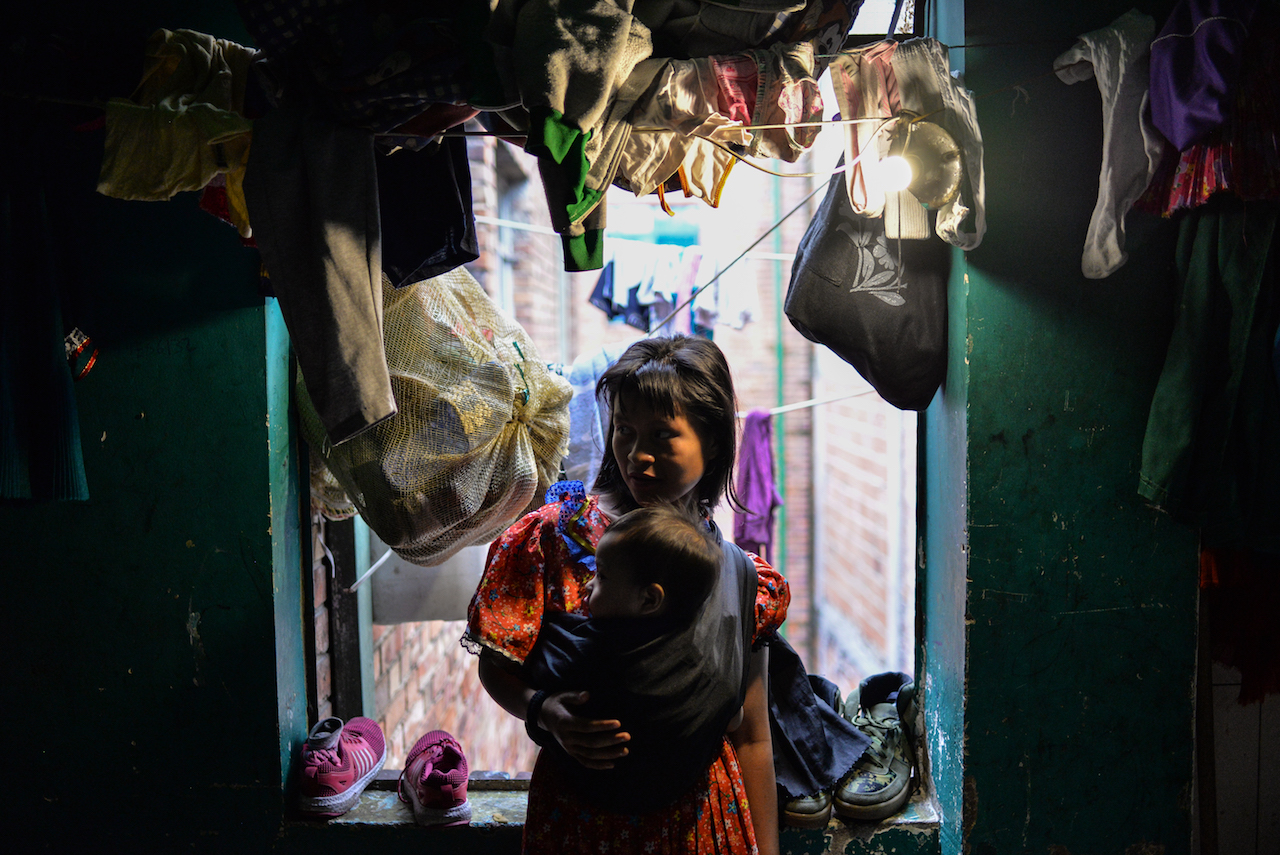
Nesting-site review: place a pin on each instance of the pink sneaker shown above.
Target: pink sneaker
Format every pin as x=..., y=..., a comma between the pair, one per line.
x=436, y=777
x=338, y=761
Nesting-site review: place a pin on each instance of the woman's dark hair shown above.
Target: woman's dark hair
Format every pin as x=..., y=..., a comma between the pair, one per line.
x=670, y=546
x=677, y=374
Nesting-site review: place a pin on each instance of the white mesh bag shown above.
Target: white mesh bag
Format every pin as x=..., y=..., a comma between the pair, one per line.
x=481, y=428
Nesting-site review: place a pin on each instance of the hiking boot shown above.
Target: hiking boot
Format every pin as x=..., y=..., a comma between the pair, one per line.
x=879, y=784
x=338, y=761
x=808, y=811
x=435, y=777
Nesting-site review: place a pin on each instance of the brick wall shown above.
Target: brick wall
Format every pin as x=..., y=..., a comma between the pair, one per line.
x=865, y=492
x=424, y=680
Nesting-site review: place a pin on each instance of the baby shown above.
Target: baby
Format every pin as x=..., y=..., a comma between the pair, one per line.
x=653, y=562
x=641, y=654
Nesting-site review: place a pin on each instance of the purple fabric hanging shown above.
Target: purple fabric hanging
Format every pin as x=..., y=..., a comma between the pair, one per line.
x=753, y=528
x=1195, y=67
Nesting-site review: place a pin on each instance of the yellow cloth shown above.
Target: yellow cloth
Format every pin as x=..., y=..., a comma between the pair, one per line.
x=183, y=124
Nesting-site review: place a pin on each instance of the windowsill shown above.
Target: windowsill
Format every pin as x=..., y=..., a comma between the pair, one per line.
x=499, y=803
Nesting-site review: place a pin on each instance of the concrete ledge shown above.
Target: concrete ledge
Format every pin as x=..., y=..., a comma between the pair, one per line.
x=498, y=804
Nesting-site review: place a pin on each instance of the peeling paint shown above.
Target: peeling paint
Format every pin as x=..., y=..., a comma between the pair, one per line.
x=1145, y=848
x=193, y=634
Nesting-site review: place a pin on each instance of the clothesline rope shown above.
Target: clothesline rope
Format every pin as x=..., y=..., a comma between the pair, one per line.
x=372, y=568
x=812, y=402
x=738, y=258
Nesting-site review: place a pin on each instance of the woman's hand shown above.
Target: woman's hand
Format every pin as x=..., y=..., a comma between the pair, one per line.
x=593, y=743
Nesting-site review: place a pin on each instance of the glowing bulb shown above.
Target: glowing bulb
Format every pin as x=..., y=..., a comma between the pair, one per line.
x=895, y=172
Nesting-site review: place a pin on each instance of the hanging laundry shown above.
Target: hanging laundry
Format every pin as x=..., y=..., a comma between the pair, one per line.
x=737, y=81
x=1195, y=67
x=183, y=125
x=637, y=314
x=634, y=266
x=312, y=191
x=1210, y=456
x=866, y=88
x=753, y=525
x=1118, y=56
x=690, y=270
x=1242, y=156
x=424, y=202
x=580, y=66
x=738, y=295
x=922, y=79
x=787, y=95
x=879, y=305
x=602, y=294
x=588, y=416
x=672, y=313
x=685, y=100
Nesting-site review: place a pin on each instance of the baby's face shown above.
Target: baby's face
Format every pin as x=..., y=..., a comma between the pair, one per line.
x=613, y=591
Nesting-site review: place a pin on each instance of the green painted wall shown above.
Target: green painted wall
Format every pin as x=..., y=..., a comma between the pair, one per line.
x=1074, y=730
x=141, y=661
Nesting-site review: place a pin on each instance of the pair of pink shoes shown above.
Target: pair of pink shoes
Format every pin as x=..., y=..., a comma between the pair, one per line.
x=339, y=760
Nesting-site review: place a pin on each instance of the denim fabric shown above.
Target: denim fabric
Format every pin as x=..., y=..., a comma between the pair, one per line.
x=813, y=745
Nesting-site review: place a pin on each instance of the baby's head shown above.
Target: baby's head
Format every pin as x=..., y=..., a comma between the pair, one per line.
x=655, y=560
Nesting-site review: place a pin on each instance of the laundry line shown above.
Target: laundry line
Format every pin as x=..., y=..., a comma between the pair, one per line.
x=546, y=230
x=812, y=402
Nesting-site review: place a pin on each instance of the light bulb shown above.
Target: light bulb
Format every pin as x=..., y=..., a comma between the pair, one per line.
x=895, y=172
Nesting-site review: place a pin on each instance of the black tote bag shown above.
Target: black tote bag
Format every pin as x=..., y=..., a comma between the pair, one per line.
x=880, y=304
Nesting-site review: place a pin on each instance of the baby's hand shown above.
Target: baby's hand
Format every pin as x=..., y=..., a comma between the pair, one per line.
x=593, y=743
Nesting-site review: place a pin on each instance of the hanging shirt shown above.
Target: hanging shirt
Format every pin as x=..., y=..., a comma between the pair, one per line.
x=753, y=529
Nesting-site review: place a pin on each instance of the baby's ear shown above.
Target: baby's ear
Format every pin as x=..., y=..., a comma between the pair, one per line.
x=652, y=598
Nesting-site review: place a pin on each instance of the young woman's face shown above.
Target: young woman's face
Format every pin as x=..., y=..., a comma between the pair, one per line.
x=661, y=457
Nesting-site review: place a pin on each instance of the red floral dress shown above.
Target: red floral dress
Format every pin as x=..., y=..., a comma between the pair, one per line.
x=543, y=563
